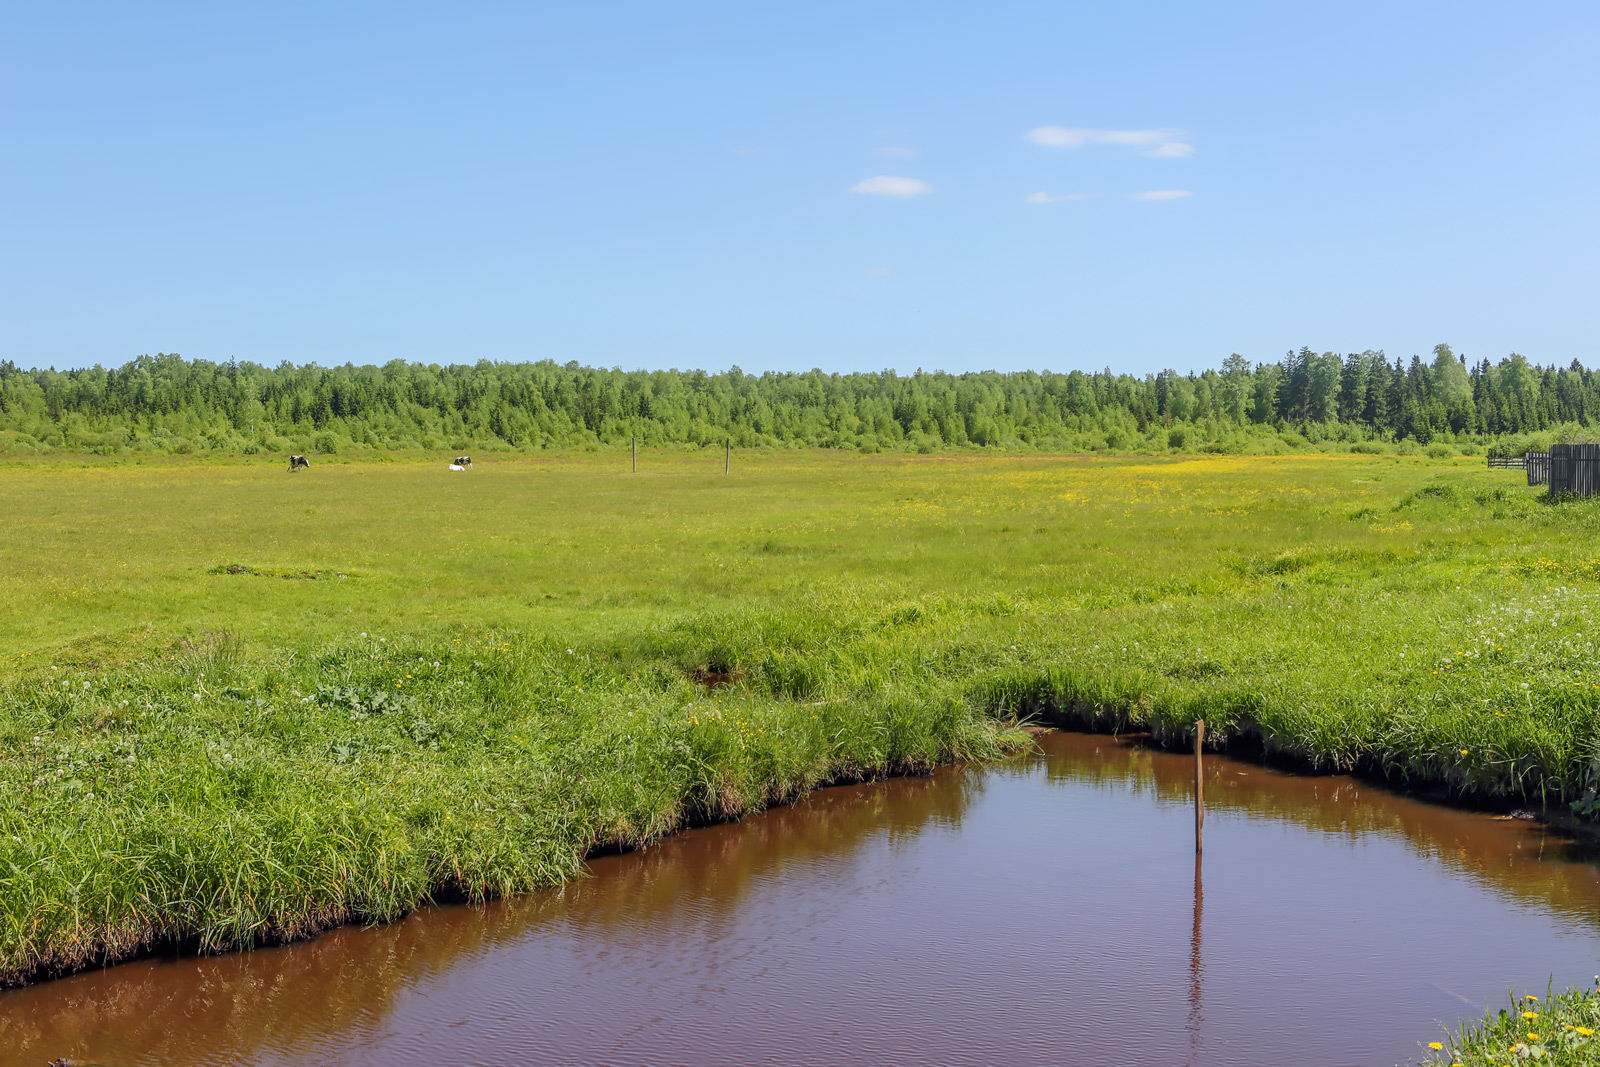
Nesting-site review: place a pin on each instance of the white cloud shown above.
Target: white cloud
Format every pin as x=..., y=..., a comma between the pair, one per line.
x=1163, y=144
x=896, y=152
x=881, y=272
x=884, y=185
x=1054, y=198
x=1163, y=194
x=1170, y=150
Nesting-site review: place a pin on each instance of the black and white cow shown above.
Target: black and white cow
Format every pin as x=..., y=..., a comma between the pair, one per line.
x=463, y=461
x=296, y=462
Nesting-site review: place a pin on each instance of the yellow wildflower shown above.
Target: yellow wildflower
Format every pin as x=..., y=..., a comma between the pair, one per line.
x=1436, y=1046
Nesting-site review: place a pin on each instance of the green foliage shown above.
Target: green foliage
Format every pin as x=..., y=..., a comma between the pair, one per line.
x=1558, y=1029
x=166, y=404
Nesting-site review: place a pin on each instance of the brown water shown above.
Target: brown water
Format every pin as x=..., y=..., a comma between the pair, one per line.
x=1045, y=912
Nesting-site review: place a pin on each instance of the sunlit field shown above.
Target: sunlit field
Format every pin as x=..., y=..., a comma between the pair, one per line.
x=238, y=704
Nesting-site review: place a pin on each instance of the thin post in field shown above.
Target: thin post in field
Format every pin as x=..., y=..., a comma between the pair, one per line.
x=727, y=460
x=1199, y=786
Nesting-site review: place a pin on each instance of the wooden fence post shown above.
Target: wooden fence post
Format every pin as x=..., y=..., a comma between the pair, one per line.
x=727, y=460
x=1199, y=786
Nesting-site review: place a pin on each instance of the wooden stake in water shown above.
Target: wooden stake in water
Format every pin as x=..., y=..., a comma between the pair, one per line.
x=727, y=461
x=1199, y=786
x=1196, y=967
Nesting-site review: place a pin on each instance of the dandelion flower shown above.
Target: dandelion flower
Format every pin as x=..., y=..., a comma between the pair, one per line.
x=1530, y=1015
x=1463, y=752
x=1436, y=1046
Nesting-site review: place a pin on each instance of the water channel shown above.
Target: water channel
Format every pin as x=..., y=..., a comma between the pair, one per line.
x=1046, y=911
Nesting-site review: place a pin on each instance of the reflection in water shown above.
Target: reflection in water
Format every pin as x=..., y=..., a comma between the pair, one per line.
x=1504, y=853
x=724, y=864
x=1196, y=968
x=1040, y=912
x=218, y=1009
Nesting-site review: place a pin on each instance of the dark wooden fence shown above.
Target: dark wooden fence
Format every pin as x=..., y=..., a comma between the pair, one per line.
x=1574, y=469
x=1538, y=464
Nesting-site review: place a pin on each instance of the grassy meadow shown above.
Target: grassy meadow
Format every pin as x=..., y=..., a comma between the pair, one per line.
x=238, y=704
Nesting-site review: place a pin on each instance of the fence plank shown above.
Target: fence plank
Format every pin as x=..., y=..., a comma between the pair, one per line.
x=1538, y=464
x=1574, y=469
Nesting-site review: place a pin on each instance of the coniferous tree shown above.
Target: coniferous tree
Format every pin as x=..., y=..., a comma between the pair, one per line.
x=166, y=403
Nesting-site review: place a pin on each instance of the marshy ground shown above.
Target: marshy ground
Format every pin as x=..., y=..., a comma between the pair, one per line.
x=237, y=705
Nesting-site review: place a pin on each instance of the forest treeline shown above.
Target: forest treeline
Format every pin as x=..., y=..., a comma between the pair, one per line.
x=165, y=403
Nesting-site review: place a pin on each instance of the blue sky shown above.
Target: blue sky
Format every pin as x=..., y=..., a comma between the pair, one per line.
x=701, y=185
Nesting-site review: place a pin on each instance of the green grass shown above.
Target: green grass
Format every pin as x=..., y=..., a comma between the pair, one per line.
x=238, y=704
x=1557, y=1029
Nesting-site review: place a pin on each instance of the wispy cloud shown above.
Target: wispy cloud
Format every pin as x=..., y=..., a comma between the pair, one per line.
x=1163, y=194
x=1171, y=150
x=897, y=152
x=1056, y=198
x=884, y=185
x=1163, y=144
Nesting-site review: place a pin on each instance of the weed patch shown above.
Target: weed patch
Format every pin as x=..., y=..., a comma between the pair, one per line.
x=259, y=572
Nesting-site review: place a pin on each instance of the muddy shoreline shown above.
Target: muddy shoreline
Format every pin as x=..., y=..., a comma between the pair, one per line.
x=1241, y=742
x=935, y=918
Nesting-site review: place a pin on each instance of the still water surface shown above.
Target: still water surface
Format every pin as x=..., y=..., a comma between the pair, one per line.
x=1048, y=911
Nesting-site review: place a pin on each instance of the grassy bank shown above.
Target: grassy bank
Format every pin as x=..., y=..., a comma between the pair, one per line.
x=224, y=801
x=1560, y=1029
x=238, y=704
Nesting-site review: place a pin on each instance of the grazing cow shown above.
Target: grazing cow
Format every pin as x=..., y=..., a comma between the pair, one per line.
x=296, y=462
x=463, y=462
